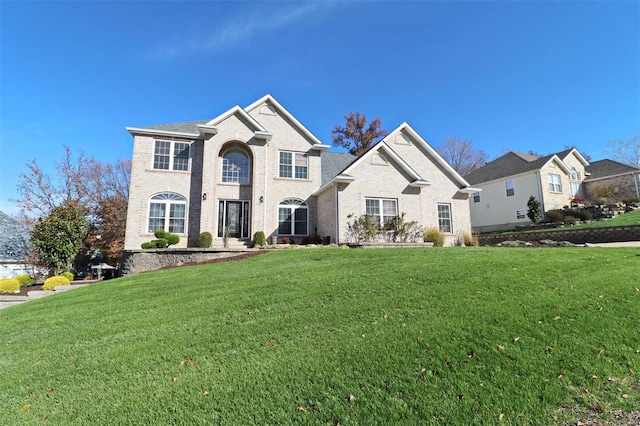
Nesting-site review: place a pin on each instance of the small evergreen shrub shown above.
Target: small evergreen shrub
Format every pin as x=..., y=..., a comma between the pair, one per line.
x=259, y=238
x=68, y=275
x=24, y=280
x=435, y=236
x=555, y=216
x=570, y=220
x=9, y=285
x=147, y=245
x=53, y=282
x=163, y=239
x=585, y=215
x=205, y=240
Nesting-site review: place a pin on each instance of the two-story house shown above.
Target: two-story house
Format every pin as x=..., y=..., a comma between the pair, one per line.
x=508, y=181
x=259, y=169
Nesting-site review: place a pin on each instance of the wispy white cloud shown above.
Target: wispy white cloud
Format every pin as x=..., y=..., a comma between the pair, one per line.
x=267, y=18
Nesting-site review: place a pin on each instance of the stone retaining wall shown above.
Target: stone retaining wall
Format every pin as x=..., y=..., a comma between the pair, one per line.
x=612, y=234
x=135, y=261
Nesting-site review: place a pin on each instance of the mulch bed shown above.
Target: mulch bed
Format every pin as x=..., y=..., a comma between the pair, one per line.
x=25, y=290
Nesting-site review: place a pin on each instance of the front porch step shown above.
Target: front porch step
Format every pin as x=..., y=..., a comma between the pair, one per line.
x=233, y=245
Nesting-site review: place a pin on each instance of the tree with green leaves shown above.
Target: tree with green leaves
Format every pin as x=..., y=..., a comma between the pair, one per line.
x=355, y=135
x=534, y=213
x=58, y=236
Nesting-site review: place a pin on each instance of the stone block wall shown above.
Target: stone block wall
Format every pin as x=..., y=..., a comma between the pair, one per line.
x=577, y=236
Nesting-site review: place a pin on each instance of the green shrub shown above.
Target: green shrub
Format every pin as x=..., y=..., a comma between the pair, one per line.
x=68, y=275
x=205, y=240
x=570, y=220
x=585, y=215
x=435, y=236
x=259, y=239
x=172, y=239
x=24, y=280
x=163, y=239
x=53, y=282
x=9, y=285
x=555, y=216
x=147, y=245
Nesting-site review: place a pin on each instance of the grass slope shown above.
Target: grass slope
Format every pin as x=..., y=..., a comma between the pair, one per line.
x=328, y=336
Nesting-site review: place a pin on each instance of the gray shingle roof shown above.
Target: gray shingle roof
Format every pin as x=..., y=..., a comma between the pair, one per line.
x=606, y=167
x=512, y=163
x=14, y=241
x=333, y=163
x=183, y=127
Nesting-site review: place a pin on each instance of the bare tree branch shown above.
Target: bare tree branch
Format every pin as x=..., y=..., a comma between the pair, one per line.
x=626, y=150
x=461, y=155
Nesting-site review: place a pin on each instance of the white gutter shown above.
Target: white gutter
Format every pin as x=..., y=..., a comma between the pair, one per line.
x=151, y=132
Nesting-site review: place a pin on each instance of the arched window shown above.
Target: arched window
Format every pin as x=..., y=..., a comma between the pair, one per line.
x=293, y=217
x=235, y=167
x=575, y=175
x=167, y=211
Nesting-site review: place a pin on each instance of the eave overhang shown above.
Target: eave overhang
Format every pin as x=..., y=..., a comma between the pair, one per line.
x=134, y=131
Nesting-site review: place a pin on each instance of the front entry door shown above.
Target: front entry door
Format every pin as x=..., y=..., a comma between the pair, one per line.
x=233, y=216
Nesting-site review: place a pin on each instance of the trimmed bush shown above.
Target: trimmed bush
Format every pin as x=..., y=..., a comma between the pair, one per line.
x=9, y=285
x=435, y=236
x=53, y=282
x=259, y=239
x=555, y=216
x=205, y=240
x=164, y=239
x=67, y=275
x=24, y=280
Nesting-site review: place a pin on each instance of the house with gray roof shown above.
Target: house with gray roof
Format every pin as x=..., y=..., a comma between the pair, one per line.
x=554, y=180
x=14, y=248
x=258, y=168
x=606, y=173
x=508, y=181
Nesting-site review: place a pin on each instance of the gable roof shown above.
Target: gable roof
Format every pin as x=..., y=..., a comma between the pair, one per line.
x=462, y=182
x=15, y=239
x=607, y=168
x=200, y=128
x=514, y=163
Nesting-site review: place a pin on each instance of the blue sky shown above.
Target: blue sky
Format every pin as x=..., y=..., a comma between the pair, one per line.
x=507, y=75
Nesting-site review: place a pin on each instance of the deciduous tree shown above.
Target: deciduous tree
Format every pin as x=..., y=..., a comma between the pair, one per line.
x=58, y=237
x=626, y=150
x=461, y=155
x=355, y=135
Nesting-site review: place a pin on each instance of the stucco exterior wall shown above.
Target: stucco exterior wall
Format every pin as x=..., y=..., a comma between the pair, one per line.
x=495, y=210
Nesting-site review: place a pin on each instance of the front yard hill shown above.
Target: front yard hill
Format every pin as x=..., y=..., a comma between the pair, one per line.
x=444, y=335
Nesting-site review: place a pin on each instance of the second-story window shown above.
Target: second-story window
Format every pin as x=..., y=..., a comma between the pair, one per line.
x=235, y=167
x=171, y=155
x=555, y=184
x=293, y=165
x=510, y=187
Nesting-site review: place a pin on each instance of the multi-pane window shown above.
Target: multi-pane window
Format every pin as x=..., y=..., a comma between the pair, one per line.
x=476, y=197
x=575, y=175
x=554, y=183
x=521, y=214
x=171, y=155
x=167, y=211
x=382, y=210
x=510, y=187
x=293, y=217
x=444, y=218
x=575, y=189
x=293, y=165
x=235, y=167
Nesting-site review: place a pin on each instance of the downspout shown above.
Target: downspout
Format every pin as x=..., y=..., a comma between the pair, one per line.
x=335, y=189
x=264, y=204
x=540, y=198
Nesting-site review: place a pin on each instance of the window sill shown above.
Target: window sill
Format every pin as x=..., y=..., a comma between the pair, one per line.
x=185, y=172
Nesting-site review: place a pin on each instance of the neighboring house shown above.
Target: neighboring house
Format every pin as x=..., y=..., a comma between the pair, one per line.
x=259, y=169
x=609, y=173
x=14, y=248
x=508, y=181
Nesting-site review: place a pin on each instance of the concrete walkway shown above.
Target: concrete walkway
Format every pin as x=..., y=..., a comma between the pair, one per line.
x=622, y=244
x=7, y=300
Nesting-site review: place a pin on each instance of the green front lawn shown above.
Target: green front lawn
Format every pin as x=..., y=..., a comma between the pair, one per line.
x=325, y=336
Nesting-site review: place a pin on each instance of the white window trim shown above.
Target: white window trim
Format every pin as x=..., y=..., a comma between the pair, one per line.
x=476, y=197
x=511, y=187
x=293, y=164
x=555, y=187
x=172, y=155
x=380, y=202
x=293, y=204
x=450, y=218
x=221, y=172
x=171, y=198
